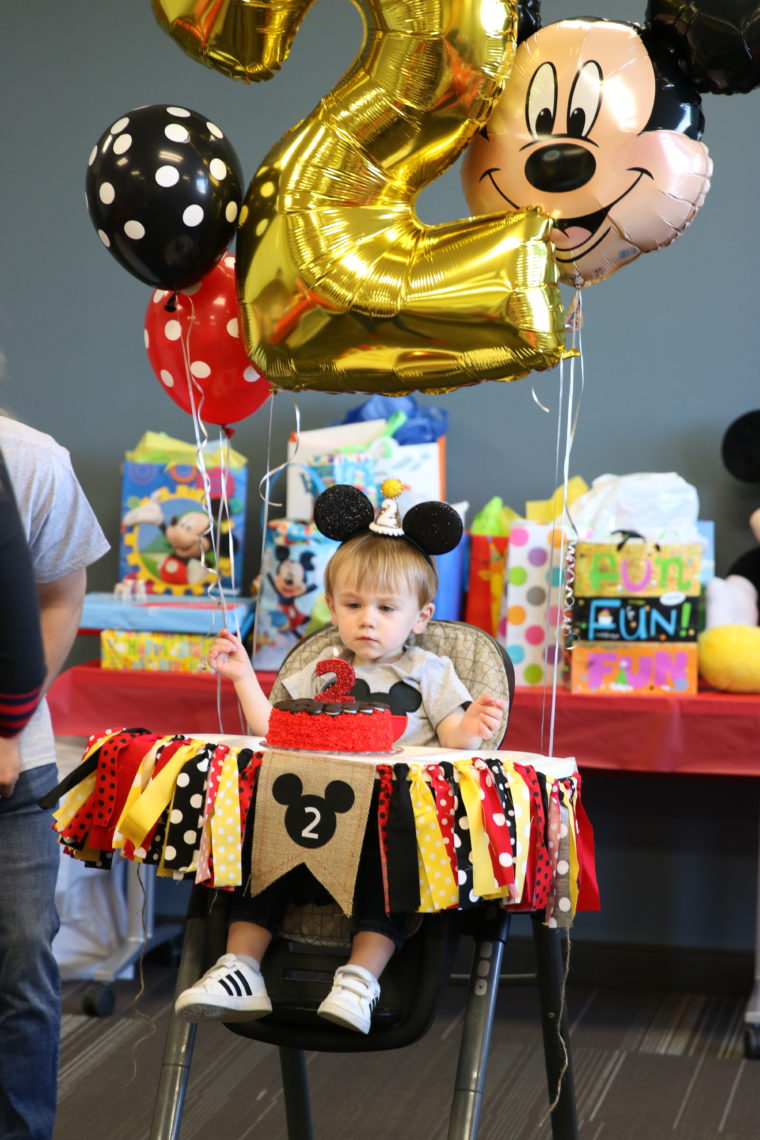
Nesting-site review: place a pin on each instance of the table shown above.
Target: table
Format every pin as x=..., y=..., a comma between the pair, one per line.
x=708, y=733
x=88, y=698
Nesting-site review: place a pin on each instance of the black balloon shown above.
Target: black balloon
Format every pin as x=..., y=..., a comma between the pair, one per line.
x=717, y=41
x=164, y=188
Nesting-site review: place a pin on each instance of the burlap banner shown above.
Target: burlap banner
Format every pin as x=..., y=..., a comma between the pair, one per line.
x=311, y=809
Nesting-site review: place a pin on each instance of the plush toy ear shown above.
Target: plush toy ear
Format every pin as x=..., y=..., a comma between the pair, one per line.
x=342, y=511
x=741, y=448
x=436, y=527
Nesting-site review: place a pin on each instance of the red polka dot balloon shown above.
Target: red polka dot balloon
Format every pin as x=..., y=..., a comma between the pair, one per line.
x=194, y=347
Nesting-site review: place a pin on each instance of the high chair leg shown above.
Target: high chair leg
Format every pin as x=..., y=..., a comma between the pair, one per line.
x=478, y=1024
x=295, y=1088
x=180, y=1039
x=550, y=970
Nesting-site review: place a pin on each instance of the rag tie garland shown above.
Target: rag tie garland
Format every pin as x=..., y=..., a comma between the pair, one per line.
x=451, y=832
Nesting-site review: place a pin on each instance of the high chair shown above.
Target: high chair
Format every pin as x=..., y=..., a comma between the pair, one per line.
x=299, y=965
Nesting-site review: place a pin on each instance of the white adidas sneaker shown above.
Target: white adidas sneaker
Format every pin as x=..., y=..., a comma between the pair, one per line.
x=350, y=1002
x=230, y=991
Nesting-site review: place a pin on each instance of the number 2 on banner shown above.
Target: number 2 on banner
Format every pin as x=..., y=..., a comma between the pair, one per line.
x=341, y=286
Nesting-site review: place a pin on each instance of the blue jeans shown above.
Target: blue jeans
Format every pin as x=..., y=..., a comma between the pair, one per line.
x=30, y=1000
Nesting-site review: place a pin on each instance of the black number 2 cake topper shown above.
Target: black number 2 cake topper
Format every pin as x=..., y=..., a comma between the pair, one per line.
x=310, y=820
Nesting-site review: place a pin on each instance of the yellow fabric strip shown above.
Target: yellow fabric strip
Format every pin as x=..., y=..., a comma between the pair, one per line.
x=225, y=825
x=574, y=865
x=146, y=809
x=72, y=801
x=438, y=887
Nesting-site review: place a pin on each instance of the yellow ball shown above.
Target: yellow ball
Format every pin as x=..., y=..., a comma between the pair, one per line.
x=391, y=488
x=729, y=658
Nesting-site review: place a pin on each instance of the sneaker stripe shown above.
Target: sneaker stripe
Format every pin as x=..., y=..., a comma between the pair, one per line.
x=236, y=984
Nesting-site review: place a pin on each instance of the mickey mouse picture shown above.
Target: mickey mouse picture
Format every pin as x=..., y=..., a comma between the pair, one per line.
x=290, y=581
x=178, y=551
x=310, y=820
x=600, y=127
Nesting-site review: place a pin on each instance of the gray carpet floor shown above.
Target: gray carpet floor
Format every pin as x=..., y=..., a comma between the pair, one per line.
x=648, y=1065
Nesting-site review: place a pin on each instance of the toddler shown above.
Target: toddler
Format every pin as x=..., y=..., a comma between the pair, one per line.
x=379, y=587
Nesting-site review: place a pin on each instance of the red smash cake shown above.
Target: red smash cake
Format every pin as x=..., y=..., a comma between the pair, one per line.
x=334, y=721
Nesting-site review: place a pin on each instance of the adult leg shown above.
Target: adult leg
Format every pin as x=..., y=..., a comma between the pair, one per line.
x=30, y=1000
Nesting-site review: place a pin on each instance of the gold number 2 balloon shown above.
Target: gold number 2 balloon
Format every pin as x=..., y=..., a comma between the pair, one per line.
x=341, y=286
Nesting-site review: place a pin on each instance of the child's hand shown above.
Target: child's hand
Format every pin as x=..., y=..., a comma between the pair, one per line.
x=483, y=716
x=229, y=657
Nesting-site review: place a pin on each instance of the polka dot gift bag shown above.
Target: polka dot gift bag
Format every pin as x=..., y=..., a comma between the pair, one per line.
x=530, y=626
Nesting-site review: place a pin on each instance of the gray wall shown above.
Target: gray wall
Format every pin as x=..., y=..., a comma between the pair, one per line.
x=668, y=344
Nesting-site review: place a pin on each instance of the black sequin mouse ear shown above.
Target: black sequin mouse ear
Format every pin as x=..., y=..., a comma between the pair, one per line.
x=740, y=449
x=342, y=511
x=435, y=527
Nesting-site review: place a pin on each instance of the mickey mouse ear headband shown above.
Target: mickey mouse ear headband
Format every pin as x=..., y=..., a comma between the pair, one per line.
x=342, y=511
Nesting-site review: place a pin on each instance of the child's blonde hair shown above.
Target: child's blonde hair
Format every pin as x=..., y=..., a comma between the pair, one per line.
x=380, y=562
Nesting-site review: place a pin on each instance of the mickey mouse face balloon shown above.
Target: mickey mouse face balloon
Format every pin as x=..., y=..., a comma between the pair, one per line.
x=599, y=129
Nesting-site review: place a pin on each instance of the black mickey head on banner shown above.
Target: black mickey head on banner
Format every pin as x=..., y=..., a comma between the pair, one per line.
x=310, y=820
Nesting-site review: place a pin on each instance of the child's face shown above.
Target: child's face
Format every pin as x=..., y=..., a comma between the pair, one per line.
x=374, y=624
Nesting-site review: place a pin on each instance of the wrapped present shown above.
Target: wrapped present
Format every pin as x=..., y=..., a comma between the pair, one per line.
x=638, y=668
x=176, y=535
x=637, y=568
x=670, y=618
x=166, y=613
x=155, y=652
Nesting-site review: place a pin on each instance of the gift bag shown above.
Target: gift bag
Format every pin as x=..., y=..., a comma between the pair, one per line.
x=308, y=478
x=485, y=583
x=362, y=454
x=166, y=517
x=291, y=580
x=533, y=591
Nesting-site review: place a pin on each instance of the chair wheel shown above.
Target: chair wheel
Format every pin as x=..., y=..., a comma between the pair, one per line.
x=98, y=1001
x=752, y=1042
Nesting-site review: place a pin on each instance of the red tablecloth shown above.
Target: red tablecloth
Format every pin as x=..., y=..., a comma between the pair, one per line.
x=709, y=733
x=706, y=733
x=89, y=699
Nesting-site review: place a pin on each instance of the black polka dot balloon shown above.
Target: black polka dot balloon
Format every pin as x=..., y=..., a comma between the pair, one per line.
x=164, y=188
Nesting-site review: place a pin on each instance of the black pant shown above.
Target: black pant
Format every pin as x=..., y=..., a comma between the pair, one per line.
x=299, y=886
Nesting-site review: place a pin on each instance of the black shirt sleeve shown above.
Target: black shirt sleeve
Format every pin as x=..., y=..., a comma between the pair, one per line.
x=22, y=657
